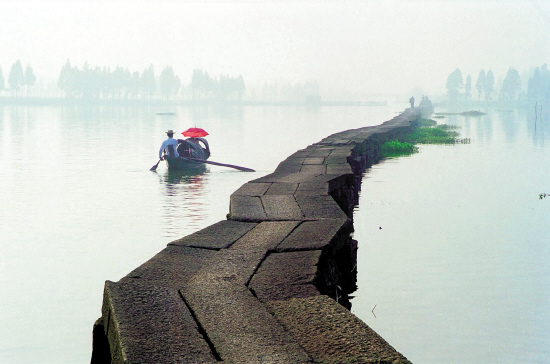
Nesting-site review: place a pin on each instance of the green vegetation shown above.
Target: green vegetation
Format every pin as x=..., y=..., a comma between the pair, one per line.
x=426, y=132
x=396, y=148
x=439, y=134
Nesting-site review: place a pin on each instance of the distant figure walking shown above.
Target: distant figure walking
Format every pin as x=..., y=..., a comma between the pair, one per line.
x=411, y=100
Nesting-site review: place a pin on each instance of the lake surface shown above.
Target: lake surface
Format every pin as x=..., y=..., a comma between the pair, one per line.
x=459, y=271
x=454, y=245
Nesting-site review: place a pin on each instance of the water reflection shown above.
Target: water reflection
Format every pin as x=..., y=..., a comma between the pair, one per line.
x=186, y=199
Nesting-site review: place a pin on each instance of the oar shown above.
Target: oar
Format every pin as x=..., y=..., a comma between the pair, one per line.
x=244, y=169
x=154, y=168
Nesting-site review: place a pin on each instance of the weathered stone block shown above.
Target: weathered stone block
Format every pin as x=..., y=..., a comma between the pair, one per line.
x=286, y=275
x=331, y=334
x=281, y=207
x=321, y=152
x=282, y=189
x=171, y=267
x=314, y=169
x=217, y=236
x=313, y=188
x=252, y=189
x=312, y=160
x=246, y=208
x=319, y=207
x=238, y=325
x=343, y=168
x=153, y=325
x=266, y=235
x=317, y=235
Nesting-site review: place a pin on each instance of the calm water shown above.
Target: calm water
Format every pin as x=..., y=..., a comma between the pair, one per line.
x=79, y=205
x=460, y=270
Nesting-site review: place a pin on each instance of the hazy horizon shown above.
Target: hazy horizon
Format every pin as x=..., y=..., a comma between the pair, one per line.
x=363, y=47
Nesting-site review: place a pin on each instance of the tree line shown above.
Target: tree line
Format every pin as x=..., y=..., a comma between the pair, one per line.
x=538, y=86
x=104, y=83
x=18, y=78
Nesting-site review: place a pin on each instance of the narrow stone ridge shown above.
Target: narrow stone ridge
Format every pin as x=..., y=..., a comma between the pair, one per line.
x=267, y=285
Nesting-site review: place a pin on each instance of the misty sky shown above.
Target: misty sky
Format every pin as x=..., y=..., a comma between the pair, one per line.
x=362, y=46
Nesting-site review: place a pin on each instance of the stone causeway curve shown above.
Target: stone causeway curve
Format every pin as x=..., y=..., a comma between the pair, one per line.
x=268, y=285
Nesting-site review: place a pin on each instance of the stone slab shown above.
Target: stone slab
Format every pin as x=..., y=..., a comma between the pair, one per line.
x=282, y=189
x=319, y=207
x=282, y=276
x=287, y=177
x=312, y=188
x=288, y=168
x=335, y=181
x=331, y=334
x=313, y=160
x=322, y=152
x=337, y=159
x=148, y=324
x=246, y=208
x=171, y=267
x=252, y=189
x=237, y=323
x=239, y=262
x=266, y=235
x=315, y=235
x=217, y=236
x=315, y=169
x=343, y=168
x=281, y=207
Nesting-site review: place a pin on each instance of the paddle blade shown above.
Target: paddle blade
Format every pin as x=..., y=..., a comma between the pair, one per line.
x=154, y=168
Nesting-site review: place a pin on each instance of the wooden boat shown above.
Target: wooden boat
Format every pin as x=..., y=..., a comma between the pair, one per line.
x=192, y=155
x=182, y=163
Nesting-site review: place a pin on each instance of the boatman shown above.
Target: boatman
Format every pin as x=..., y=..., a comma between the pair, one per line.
x=169, y=146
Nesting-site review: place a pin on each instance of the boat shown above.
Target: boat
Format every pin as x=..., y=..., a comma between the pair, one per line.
x=183, y=163
x=192, y=155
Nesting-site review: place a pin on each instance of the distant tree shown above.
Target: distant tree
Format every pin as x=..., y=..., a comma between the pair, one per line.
x=488, y=85
x=66, y=79
x=17, y=78
x=148, y=82
x=118, y=82
x=240, y=87
x=468, y=87
x=134, y=84
x=169, y=83
x=454, y=84
x=511, y=85
x=30, y=78
x=202, y=85
x=538, y=86
x=480, y=84
x=1, y=79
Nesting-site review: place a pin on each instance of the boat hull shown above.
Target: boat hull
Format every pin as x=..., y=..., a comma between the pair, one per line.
x=181, y=164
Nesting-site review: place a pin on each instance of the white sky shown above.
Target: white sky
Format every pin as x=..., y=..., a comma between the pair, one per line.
x=363, y=46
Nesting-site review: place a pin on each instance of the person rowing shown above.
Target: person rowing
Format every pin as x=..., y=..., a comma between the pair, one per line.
x=169, y=147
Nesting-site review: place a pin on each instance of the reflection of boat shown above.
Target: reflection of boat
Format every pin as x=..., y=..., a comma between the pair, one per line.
x=189, y=175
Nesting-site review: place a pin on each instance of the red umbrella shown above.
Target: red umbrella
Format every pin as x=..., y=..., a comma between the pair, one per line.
x=195, y=133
